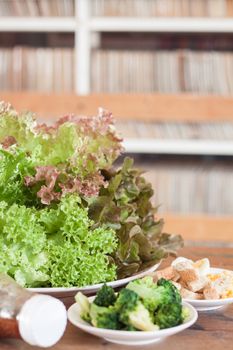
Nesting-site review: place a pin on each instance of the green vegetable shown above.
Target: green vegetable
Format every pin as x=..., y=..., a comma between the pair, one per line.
x=54, y=246
x=169, y=286
x=105, y=296
x=185, y=313
x=142, y=305
x=140, y=319
x=162, y=300
x=151, y=294
x=67, y=156
x=103, y=317
x=168, y=315
x=84, y=306
x=125, y=206
x=67, y=217
x=132, y=312
x=126, y=299
x=14, y=166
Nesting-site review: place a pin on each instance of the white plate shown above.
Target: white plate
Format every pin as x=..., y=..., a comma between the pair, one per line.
x=87, y=290
x=206, y=305
x=126, y=337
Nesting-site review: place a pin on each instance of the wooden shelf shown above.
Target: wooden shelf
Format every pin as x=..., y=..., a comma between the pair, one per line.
x=191, y=25
x=116, y=24
x=185, y=147
x=146, y=107
x=152, y=107
x=37, y=24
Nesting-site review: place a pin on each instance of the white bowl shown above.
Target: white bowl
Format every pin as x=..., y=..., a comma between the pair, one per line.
x=90, y=290
x=128, y=337
x=207, y=305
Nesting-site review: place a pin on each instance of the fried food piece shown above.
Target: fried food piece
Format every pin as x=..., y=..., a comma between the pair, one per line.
x=169, y=273
x=187, y=294
x=198, y=285
x=210, y=293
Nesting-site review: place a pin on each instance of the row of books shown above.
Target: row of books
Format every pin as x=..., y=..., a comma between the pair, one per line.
x=118, y=71
x=218, y=131
x=37, y=69
x=163, y=8
x=132, y=8
x=166, y=41
x=191, y=187
x=37, y=8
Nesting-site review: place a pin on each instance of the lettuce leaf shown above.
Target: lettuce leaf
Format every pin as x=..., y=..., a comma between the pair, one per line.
x=55, y=246
x=76, y=149
x=14, y=166
x=125, y=206
x=66, y=216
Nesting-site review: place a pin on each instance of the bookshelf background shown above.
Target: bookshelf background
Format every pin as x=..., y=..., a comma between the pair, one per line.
x=136, y=46
x=91, y=24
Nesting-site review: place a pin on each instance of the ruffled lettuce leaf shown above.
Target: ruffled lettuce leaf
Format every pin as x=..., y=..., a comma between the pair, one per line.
x=55, y=246
x=125, y=205
x=23, y=242
x=68, y=156
x=14, y=166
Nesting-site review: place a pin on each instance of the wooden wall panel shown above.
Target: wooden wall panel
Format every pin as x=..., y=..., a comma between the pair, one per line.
x=147, y=107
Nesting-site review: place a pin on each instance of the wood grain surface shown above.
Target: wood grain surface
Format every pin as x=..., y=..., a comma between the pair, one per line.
x=206, y=228
x=182, y=107
x=212, y=331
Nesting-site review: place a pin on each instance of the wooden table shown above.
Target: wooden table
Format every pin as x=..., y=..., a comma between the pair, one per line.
x=212, y=331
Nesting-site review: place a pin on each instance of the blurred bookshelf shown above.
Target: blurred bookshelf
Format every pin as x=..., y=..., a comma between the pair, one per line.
x=90, y=21
x=166, y=47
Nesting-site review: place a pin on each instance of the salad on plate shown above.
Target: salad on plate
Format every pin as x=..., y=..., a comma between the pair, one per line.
x=68, y=216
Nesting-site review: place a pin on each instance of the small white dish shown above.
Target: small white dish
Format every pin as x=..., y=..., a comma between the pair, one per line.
x=90, y=290
x=126, y=337
x=208, y=305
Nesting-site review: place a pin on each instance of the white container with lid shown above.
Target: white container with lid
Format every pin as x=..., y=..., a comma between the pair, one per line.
x=38, y=319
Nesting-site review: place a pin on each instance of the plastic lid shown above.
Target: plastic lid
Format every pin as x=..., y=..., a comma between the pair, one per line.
x=42, y=320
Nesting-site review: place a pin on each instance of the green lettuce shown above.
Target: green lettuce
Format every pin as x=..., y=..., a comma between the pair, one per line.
x=15, y=165
x=67, y=217
x=55, y=246
x=67, y=157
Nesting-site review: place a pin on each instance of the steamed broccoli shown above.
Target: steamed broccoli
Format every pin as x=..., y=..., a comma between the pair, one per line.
x=84, y=306
x=105, y=317
x=171, y=288
x=142, y=305
x=162, y=300
x=153, y=295
x=126, y=299
x=132, y=312
x=139, y=318
x=105, y=296
x=169, y=315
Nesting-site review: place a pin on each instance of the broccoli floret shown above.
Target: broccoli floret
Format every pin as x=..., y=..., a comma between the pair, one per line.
x=132, y=312
x=153, y=295
x=139, y=318
x=126, y=298
x=185, y=313
x=129, y=328
x=84, y=306
x=169, y=315
x=105, y=317
x=170, y=287
x=105, y=296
